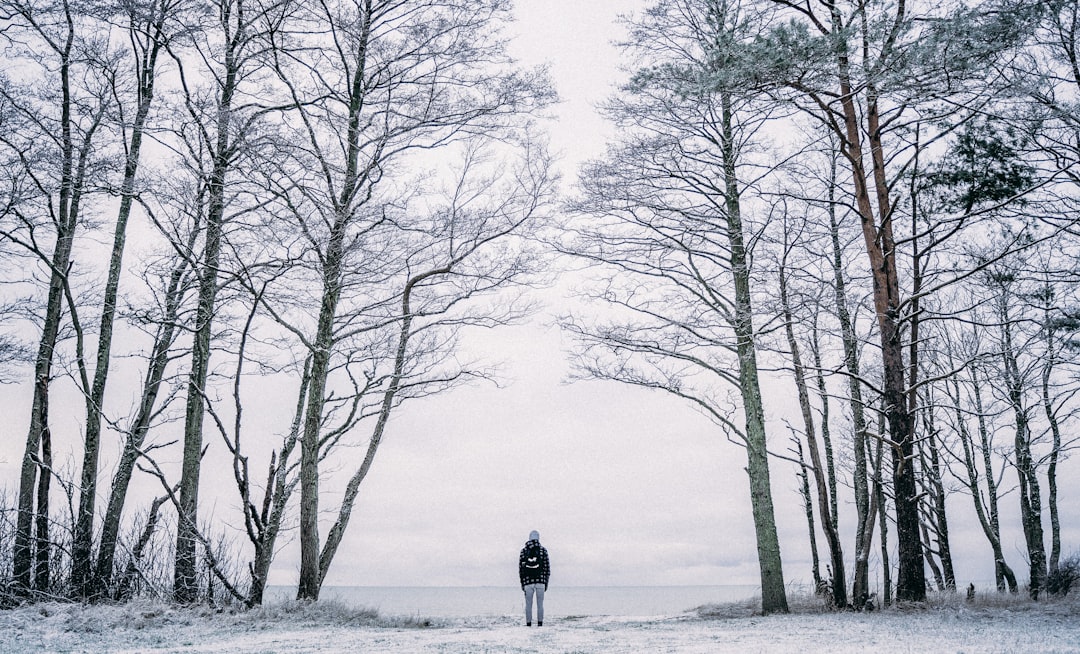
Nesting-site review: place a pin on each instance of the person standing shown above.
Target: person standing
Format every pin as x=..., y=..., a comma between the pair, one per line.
x=534, y=570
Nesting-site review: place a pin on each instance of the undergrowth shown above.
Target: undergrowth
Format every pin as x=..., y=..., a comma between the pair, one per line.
x=805, y=603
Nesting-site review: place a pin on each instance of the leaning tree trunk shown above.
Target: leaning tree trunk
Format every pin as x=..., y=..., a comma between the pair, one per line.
x=972, y=470
x=140, y=427
x=23, y=551
x=825, y=500
x=808, y=507
x=82, y=579
x=405, y=333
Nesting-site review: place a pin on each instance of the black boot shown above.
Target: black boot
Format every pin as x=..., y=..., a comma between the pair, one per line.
x=539, y=624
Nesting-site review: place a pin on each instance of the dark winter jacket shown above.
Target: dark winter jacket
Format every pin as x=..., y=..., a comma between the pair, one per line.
x=533, y=564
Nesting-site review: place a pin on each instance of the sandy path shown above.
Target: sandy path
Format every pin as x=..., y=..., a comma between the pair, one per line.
x=796, y=634
x=943, y=630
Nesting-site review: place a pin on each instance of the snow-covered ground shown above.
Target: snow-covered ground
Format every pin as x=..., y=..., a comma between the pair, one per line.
x=947, y=626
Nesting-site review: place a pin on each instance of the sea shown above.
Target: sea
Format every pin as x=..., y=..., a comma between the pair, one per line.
x=559, y=602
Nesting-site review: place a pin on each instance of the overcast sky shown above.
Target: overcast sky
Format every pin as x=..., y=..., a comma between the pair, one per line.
x=626, y=487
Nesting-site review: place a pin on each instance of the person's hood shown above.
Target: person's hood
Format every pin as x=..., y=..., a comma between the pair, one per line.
x=534, y=535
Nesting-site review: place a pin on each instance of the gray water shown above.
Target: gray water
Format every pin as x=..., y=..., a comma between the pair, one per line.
x=560, y=601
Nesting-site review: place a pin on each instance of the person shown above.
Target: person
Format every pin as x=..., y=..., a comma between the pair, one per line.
x=534, y=570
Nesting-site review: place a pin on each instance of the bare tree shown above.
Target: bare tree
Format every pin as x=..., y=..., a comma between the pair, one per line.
x=54, y=117
x=226, y=53
x=964, y=380
x=146, y=24
x=163, y=319
x=668, y=224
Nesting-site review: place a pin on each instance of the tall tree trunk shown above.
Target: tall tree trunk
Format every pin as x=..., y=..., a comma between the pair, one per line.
x=881, y=253
x=1030, y=497
x=864, y=528
x=864, y=532
x=945, y=578
x=237, y=37
x=23, y=551
x=185, y=582
x=773, y=594
x=310, y=575
x=1050, y=360
x=82, y=580
x=310, y=569
x=337, y=531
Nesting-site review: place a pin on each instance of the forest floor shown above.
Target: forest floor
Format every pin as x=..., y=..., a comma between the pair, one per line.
x=946, y=624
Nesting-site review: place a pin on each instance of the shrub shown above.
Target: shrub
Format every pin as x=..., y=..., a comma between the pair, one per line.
x=1061, y=579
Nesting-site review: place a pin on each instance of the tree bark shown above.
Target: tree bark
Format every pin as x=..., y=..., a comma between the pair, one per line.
x=23, y=553
x=1050, y=359
x=310, y=574
x=310, y=569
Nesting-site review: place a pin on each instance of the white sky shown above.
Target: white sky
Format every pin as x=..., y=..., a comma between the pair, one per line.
x=625, y=486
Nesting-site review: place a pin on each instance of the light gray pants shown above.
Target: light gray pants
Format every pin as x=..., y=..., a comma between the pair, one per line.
x=538, y=590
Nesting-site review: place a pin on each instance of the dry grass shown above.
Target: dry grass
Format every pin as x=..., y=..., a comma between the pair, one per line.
x=805, y=603
x=149, y=614
x=333, y=612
